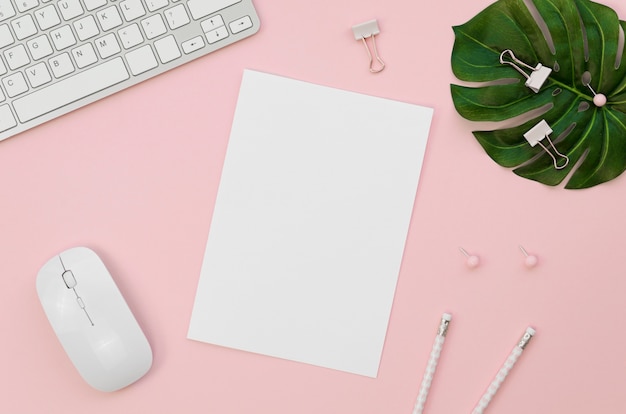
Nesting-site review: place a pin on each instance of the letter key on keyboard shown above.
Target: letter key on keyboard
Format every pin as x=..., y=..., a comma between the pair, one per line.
x=56, y=56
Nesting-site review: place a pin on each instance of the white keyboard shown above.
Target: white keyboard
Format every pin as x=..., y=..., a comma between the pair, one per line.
x=59, y=55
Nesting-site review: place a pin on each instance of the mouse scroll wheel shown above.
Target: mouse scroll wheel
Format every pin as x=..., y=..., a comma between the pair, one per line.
x=69, y=279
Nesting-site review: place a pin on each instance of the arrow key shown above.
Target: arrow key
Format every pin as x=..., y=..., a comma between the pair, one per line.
x=217, y=35
x=240, y=25
x=192, y=45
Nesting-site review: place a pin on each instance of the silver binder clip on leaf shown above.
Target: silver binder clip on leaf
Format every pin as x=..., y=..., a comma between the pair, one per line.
x=538, y=75
x=366, y=30
x=540, y=132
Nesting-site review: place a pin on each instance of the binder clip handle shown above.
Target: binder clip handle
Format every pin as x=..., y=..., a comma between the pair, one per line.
x=540, y=132
x=514, y=62
x=366, y=30
x=538, y=75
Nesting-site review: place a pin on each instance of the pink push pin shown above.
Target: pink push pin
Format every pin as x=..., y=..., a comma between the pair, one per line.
x=599, y=99
x=472, y=260
x=530, y=260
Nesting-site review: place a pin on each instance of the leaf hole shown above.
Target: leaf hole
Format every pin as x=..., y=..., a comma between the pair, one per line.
x=525, y=117
x=583, y=106
x=585, y=40
x=620, y=48
x=541, y=23
x=556, y=91
x=556, y=66
x=567, y=131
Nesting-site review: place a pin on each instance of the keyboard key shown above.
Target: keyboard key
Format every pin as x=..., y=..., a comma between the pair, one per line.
x=70, y=9
x=130, y=36
x=39, y=47
x=3, y=70
x=216, y=35
x=47, y=17
x=192, y=45
x=6, y=10
x=6, y=38
x=141, y=60
x=167, y=49
x=24, y=26
x=16, y=57
x=25, y=5
x=7, y=120
x=94, y=4
x=177, y=17
x=212, y=23
x=63, y=37
x=153, y=26
x=15, y=84
x=38, y=75
x=109, y=18
x=61, y=65
x=107, y=46
x=86, y=28
x=84, y=55
x=154, y=5
x=70, y=89
x=240, y=25
x=201, y=8
x=132, y=9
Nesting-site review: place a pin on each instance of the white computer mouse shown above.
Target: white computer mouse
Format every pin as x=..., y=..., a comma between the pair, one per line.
x=92, y=320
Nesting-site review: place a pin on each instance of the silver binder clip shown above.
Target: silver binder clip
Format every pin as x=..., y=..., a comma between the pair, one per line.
x=363, y=31
x=540, y=132
x=538, y=75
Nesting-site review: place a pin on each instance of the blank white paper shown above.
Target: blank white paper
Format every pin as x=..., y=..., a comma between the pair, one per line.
x=310, y=222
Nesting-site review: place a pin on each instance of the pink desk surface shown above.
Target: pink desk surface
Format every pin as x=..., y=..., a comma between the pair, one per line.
x=135, y=176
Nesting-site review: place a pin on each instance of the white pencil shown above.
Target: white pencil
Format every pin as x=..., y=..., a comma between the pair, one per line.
x=504, y=371
x=432, y=363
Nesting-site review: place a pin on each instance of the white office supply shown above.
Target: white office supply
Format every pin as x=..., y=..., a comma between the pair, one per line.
x=540, y=132
x=309, y=225
x=504, y=371
x=435, y=353
x=538, y=75
x=92, y=321
x=365, y=31
x=63, y=55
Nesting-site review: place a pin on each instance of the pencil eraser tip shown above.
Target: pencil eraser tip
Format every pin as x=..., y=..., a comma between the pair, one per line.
x=530, y=331
x=447, y=317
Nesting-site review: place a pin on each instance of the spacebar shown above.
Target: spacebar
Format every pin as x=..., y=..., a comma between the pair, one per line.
x=70, y=90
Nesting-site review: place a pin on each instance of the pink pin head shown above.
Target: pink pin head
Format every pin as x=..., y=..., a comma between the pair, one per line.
x=530, y=260
x=599, y=100
x=472, y=260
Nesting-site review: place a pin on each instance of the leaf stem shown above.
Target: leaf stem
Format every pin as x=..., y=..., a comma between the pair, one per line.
x=572, y=89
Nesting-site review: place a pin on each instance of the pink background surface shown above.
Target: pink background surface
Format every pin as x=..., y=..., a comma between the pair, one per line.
x=134, y=177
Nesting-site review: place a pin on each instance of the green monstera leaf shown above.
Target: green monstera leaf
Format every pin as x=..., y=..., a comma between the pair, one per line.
x=578, y=39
